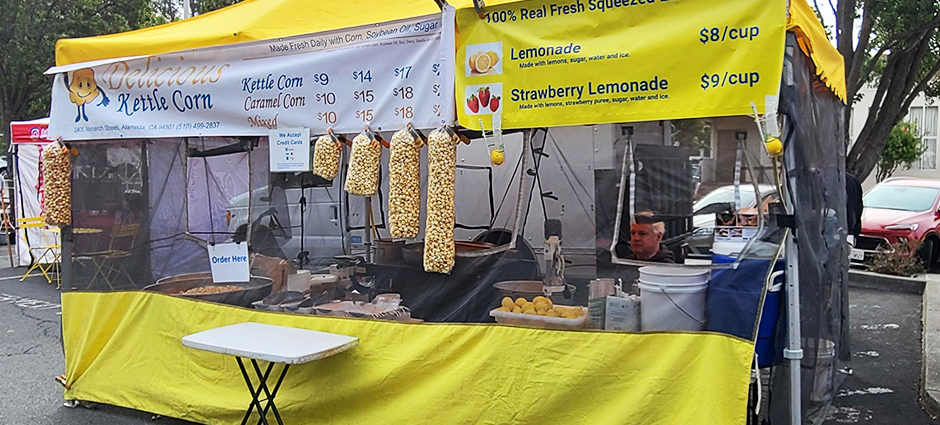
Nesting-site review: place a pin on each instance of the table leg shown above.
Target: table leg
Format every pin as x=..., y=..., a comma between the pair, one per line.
x=254, y=395
x=270, y=395
x=273, y=394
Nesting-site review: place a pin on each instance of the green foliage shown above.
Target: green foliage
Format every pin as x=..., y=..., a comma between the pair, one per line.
x=894, y=19
x=206, y=6
x=693, y=133
x=903, y=149
x=172, y=10
x=898, y=259
x=29, y=30
x=893, y=45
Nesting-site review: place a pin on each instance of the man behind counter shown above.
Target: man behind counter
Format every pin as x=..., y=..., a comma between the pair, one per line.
x=646, y=236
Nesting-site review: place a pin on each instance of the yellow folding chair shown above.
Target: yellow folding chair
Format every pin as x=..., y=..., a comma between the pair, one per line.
x=109, y=263
x=125, y=236
x=48, y=249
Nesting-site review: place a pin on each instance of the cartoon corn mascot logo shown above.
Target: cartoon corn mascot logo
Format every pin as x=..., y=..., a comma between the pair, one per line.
x=83, y=90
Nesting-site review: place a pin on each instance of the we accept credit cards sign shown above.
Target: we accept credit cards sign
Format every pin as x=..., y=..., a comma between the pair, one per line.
x=569, y=62
x=289, y=150
x=229, y=262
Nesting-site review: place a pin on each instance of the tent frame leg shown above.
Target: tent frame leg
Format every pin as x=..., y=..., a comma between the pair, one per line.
x=794, y=352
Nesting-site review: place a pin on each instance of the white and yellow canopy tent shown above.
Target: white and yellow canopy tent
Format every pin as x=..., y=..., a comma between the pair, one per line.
x=123, y=348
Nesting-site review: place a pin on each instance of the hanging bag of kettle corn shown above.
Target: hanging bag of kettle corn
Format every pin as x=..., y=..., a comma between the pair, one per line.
x=439, y=249
x=326, y=157
x=56, y=173
x=362, y=175
x=404, y=185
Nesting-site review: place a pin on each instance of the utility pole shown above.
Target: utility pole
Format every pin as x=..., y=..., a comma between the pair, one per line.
x=187, y=12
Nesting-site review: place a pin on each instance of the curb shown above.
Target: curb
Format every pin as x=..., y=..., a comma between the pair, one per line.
x=868, y=280
x=930, y=359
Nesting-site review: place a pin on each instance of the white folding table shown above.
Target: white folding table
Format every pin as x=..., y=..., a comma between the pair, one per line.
x=272, y=344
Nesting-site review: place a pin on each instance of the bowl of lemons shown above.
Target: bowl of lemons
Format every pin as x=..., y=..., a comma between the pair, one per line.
x=539, y=312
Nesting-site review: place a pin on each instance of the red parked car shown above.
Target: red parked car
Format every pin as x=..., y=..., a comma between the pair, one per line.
x=901, y=208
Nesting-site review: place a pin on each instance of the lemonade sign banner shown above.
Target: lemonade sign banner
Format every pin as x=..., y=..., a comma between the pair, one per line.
x=552, y=62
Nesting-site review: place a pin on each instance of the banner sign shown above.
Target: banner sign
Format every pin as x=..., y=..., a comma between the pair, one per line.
x=544, y=63
x=36, y=131
x=289, y=150
x=229, y=262
x=383, y=75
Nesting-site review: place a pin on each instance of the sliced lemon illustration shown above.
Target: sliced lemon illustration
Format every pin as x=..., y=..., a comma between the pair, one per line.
x=473, y=61
x=493, y=58
x=483, y=63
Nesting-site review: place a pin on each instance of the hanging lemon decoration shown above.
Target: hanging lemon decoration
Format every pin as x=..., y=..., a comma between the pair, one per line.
x=774, y=146
x=497, y=157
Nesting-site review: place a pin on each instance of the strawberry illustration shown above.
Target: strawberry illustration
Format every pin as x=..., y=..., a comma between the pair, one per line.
x=473, y=103
x=494, y=103
x=484, y=95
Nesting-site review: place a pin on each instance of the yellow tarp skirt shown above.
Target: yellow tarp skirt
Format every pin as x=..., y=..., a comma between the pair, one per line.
x=124, y=349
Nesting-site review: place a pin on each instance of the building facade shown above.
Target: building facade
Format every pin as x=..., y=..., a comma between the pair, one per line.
x=925, y=113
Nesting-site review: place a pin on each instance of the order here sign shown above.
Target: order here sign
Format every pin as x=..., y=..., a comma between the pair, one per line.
x=229, y=262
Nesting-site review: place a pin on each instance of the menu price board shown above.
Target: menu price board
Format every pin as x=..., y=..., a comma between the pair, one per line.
x=568, y=62
x=384, y=75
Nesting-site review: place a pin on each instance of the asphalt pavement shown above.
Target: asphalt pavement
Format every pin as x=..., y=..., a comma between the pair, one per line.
x=31, y=357
x=884, y=387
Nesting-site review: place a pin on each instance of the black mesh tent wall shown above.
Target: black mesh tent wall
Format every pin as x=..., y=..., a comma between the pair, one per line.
x=815, y=164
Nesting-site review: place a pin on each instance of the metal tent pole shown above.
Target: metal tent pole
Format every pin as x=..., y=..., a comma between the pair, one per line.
x=794, y=351
x=367, y=238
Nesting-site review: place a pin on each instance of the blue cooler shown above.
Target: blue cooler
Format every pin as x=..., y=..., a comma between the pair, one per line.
x=733, y=298
x=765, y=348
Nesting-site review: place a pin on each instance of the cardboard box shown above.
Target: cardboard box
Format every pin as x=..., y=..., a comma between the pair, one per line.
x=622, y=314
x=275, y=268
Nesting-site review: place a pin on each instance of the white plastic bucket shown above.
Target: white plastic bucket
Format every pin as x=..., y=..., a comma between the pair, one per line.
x=822, y=373
x=672, y=298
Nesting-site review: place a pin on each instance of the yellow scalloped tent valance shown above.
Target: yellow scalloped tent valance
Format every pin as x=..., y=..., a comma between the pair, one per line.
x=830, y=67
x=250, y=20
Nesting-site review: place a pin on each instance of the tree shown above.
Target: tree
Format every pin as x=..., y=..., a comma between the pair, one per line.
x=29, y=30
x=903, y=149
x=172, y=10
x=206, y=6
x=693, y=133
x=898, y=49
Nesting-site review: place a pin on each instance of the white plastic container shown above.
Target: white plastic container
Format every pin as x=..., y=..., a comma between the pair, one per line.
x=672, y=298
x=541, y=322
x=728, y=248
x=323, y=279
